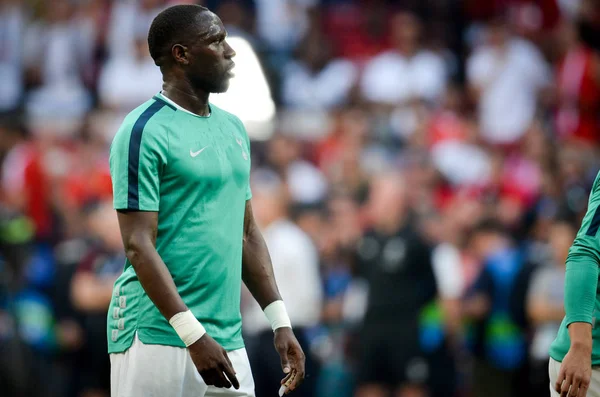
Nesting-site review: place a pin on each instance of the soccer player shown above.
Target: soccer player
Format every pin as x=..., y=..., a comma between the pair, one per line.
x=180, y=168
x=575, y=353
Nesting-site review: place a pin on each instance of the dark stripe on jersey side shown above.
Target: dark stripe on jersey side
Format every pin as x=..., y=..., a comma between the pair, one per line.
x=594, y=224
x=133, y=192
x=157, y=98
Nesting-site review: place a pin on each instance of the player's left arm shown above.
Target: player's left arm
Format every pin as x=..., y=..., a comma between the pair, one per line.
x=257, y=274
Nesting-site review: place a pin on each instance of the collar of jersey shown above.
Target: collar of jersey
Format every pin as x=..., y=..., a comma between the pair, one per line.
x=171, y=102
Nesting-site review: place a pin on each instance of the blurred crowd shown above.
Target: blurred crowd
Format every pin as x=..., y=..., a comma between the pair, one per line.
x=429, y=167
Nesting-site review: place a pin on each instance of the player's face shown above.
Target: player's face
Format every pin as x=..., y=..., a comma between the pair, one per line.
x=210, y=56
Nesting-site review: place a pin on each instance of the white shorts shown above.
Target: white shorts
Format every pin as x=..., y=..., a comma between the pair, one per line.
x=167, y=371
x=594, y=389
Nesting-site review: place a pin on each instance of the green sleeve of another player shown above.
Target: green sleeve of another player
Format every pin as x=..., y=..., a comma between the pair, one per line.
x=137, y=157
x=581, y=278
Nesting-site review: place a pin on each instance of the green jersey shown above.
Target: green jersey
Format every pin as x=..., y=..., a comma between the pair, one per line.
x=582, y=298
x=194, y=172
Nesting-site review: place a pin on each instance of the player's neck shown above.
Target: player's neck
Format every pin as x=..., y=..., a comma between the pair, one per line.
x=195, y=101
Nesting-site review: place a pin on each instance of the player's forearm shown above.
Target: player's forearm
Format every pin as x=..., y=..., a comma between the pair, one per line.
x=154, y=276
x=581, y=282
x=257, y=269
x=581, y=336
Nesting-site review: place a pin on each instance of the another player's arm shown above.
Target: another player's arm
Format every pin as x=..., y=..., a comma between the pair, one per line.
x=581, y=283
x=257, y=273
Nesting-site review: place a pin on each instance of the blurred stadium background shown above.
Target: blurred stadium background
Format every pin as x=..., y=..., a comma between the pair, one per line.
x=470, y=126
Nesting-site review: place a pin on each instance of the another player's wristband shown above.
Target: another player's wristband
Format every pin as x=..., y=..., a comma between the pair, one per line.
x=187, y=327
x=277, y=315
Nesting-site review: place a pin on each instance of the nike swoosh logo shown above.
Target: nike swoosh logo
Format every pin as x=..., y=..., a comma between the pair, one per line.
x=194, y=154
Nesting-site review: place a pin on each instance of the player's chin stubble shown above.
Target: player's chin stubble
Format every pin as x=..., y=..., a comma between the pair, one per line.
x=223, y=86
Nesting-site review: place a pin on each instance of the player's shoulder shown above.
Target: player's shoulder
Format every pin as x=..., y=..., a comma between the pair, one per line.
x=227, y=116
x=154, y=111
x=151, y=117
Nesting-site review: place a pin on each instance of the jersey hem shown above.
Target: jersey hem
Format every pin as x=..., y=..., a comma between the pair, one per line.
x=559, y=357
x=122, y=348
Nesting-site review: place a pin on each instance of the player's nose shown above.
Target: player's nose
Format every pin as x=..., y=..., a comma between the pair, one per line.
x=229, y=51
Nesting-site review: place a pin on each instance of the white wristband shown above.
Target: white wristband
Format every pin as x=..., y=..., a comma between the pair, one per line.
x=187, y=327
x=277, y=315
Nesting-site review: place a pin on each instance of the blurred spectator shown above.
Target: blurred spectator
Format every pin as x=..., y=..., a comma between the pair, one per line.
x=305, y=182
x=578, y=84
x=125, y=82
x=402, y=340
x=496, y=305
x=406, y=73
x=487, y=168
x=458, y=215
x=569, y=8
x=129, y=19
x=16, y=372
x=91, y=291
x=236, y=19
x=296, y=267
x=452, y=138
x=31, y=180
x=340, y=154
x=545, y=299
x=91, y=17
x=316, y=80
x=505, y=76
x=281, y=24
x=88, y=176
x=359, y=30
x=588, y=14
x=56, y=53
x=12, y=31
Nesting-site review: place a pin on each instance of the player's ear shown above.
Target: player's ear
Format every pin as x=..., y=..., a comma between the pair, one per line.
x=180, y=54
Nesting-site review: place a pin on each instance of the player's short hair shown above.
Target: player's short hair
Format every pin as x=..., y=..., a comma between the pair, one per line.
x=168, y=26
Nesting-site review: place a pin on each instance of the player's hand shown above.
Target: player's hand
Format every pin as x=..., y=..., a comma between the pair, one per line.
x=212, y=363
x=575, y=373
x=292, y=358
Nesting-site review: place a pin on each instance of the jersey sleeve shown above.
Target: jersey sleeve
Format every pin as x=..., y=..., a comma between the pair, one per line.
x=138, y=156
x=581, y=276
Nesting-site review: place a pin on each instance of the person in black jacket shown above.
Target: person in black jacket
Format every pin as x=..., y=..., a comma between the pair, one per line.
x=396, y=353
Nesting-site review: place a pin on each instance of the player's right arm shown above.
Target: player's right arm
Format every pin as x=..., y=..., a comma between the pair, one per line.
x=581, y=283
x=138, y=229
x=138, y=156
